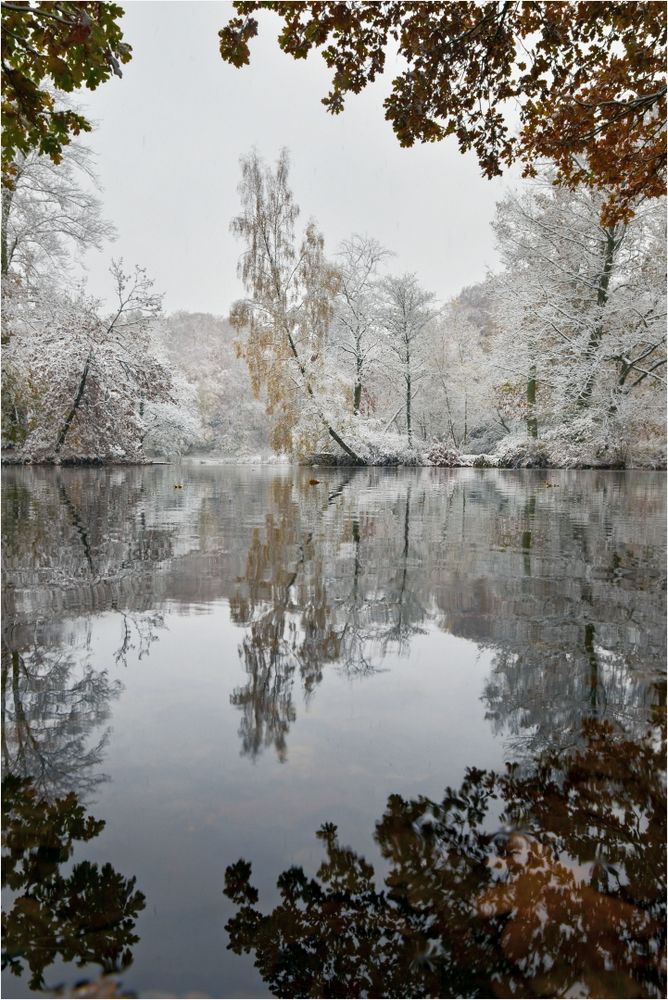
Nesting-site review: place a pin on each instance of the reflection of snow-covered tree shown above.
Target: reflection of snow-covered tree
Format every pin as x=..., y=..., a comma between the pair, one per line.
x=308, y=600
x=559, y=578
x=581, y=644
x=472, y=554
x=98, y=552
x=55, y=710
x=406, y=609
x=290, y=634
x=540, y=702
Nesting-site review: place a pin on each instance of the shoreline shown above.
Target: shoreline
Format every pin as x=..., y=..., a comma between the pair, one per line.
x=467, y=462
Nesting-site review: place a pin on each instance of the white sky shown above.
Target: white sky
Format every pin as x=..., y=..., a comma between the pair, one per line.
x=171, y=132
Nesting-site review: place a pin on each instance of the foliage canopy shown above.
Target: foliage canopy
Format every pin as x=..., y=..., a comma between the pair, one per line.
x=47, y=46
x=586, y=79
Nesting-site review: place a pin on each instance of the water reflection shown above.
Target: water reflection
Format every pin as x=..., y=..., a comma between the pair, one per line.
x=55, y=706
x=557, y=578
x=85, y=914
x=572, y=609
x=560, y=575
x=540, y=884
x=76, y=543
x=305, y=602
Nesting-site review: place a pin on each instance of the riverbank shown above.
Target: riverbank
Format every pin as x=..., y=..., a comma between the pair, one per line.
x=511, y=453
x=8, y=457
x=342, y=462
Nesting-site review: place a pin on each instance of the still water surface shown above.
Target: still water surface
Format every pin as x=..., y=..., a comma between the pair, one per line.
x=388, y=733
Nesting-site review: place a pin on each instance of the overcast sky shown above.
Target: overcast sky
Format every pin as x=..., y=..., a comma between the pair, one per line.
x=170, y=133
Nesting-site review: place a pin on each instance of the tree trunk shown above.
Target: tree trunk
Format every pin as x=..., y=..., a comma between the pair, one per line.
x=447, y=406
x=7, y=196
x=330, y=430
x=408, y=396
x=407, y=521
x=408, y=411
x=357, y=397
x=342, y=444
x=357, y=391
x=529, y=513
x=75, y=405
x=532, y=422
x=77, y=525
x=610, y=247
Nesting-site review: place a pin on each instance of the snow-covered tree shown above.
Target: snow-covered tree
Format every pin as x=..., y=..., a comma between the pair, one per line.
x=173, y=427
x=455, y=404
x=233, y=421
x=356, y=329
x=582, y=307
x=86, y=379
x=51, y=211
x=407, y=311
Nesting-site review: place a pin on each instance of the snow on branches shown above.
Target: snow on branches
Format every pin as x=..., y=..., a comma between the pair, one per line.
x=82, y=380
x=582, y=315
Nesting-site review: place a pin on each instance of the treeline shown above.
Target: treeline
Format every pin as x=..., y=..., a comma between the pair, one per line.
x=345, y=574
x=558, y=359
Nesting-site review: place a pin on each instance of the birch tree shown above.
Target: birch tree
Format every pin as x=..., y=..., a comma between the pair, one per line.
x=286, y=316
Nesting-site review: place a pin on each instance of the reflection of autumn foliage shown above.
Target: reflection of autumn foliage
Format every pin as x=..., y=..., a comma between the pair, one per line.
x=540, y=897
x=568, y=890
x=311, y=598
x=290, y=625
x=85, y=917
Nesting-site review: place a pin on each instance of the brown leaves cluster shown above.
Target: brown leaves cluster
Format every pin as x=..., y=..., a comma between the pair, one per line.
x=586, y=80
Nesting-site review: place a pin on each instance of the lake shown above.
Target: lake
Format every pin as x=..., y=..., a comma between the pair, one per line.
x=334, y=732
